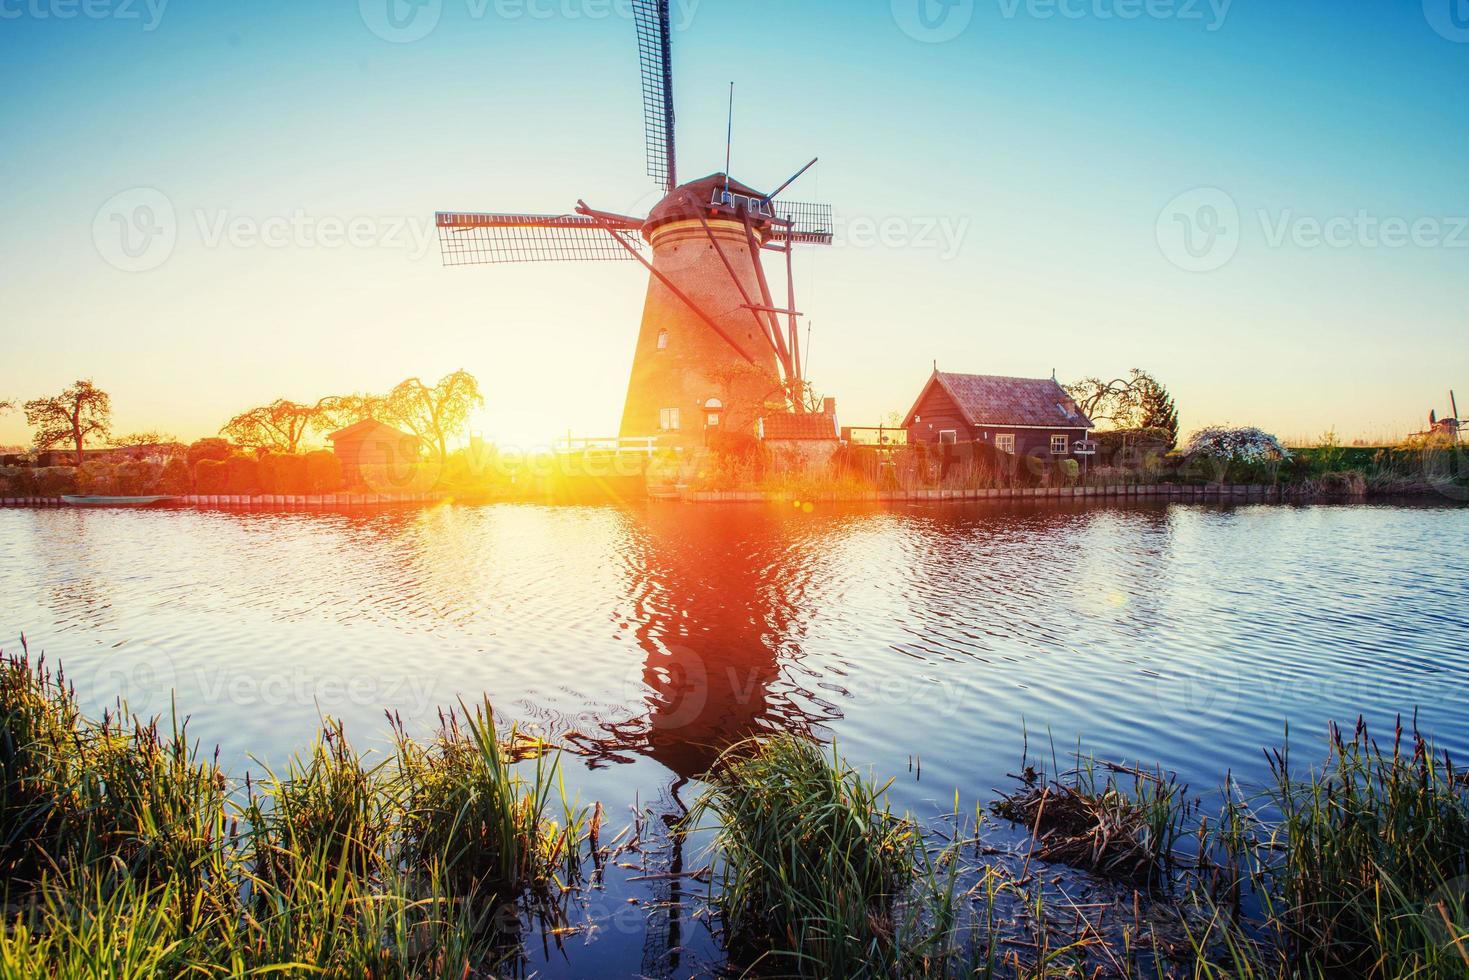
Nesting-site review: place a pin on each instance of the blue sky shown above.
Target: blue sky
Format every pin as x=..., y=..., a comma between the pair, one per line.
x=1020, y=197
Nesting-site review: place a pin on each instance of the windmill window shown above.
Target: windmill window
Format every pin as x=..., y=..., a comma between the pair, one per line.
x=663, y=340
x=668, y=419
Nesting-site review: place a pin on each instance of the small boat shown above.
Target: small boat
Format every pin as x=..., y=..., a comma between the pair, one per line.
x=76, y=501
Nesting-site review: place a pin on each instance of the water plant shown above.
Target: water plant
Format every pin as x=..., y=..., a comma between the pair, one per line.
x=1118, y=821
x=1373, y=869
x=815, y=874
x=127, y=854
x=465, y=807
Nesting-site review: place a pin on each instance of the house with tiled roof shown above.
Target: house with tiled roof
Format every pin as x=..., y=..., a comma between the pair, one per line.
x=1020, y=416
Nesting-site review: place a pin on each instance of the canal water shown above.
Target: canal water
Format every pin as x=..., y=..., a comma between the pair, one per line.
x=926, y=641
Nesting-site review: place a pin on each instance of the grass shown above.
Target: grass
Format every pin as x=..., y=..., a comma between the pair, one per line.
x=815, y=875
x=1371, y=869
x=466, y=806
x=129, y=855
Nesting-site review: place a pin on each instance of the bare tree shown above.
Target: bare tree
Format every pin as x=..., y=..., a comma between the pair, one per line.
x=436, y=413
x=81, y=412
x=1136, y=401
x=339, y=411
x=280, y=426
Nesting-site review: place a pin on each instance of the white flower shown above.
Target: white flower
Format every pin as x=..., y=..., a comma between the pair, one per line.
x=1240, y=445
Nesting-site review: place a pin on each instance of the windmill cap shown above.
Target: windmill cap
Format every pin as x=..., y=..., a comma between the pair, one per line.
x=688, y=201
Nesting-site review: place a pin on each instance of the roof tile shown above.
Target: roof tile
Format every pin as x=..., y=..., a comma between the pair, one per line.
x=991, y=400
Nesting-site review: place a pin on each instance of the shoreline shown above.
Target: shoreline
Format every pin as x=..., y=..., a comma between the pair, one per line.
x=1216, y=492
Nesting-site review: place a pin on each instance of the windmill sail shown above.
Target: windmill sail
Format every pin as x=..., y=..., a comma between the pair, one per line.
x=467, y=238
x=655, y=47
x=811, y=224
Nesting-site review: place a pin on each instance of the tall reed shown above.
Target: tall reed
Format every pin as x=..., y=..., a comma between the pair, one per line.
x=815, y=874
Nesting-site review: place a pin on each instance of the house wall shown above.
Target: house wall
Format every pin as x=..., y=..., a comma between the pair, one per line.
x=937, y=412
x=804, y=452
x=375, y=458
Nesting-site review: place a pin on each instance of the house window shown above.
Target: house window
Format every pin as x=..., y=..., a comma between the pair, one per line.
x=663, y=340
x=1005, y=442
x=668, y=419
x=948, y=437
x=1060, y=445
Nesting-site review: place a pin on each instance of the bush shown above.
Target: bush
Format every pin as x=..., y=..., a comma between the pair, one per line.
x=1236, y=445
x=282, y=473
x=323, y=472
x=137, y=478
x=242, y=474
x=175, y=478
x=97, y=478
x=214, y=449
x=53, y=481
x=211, y=476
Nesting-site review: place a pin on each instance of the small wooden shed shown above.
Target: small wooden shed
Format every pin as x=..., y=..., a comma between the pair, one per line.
x=810, y=436
x=370, y=450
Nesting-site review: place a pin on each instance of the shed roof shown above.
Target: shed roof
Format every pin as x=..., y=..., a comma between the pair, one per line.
x=790, y=426
x=369, y=428
x=987, y=399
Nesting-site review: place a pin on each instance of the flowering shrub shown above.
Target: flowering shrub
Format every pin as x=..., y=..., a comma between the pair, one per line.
x=1236, y=445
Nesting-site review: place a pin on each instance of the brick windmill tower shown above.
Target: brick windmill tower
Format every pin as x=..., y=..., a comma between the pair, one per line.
x=716, y=349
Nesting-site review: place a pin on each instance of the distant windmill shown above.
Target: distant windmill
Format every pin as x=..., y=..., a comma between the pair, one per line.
x=711, y=327
x=1449, y=427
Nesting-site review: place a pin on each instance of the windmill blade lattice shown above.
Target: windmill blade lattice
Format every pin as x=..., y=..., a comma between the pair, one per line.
x=811, y=223
x=495, y=239
x=655, y=46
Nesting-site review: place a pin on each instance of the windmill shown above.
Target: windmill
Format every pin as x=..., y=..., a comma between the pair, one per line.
x=714, y=343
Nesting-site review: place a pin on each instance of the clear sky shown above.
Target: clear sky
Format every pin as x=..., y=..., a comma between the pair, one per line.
x=1264, y=202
